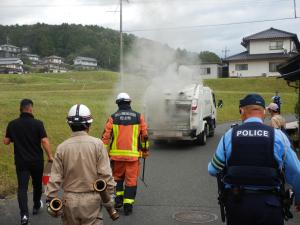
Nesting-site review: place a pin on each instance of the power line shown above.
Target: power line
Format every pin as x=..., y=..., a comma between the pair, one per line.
x=213, y=2
x=136, y=2
x=200, y=1
x=57, y=5
x=225, y=52
x=209, y=25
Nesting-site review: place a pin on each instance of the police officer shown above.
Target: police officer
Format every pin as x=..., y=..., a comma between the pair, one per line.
x=124, y=135
x=251, y=156
x=29, y=136
x=78, y=163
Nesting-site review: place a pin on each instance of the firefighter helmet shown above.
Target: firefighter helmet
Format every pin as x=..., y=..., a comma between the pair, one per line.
x=79, y=114
x=123, y=97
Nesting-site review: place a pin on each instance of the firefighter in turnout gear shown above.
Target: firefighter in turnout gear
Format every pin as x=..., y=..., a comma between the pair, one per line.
x=254, y=159
x=126, y=139
x=79, y=161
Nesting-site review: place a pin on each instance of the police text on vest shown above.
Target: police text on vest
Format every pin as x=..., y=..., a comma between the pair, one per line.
x=252, y=133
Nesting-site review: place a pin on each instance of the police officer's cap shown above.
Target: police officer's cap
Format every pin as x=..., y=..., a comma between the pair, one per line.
x=252, y=99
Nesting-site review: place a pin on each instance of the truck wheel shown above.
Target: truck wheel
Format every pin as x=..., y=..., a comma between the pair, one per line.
x=201, y=138
x=211, y=131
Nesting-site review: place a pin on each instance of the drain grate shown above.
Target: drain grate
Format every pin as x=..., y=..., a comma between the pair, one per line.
x=195, y=217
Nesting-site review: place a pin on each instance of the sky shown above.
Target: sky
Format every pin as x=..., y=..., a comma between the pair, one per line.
x=195, y=25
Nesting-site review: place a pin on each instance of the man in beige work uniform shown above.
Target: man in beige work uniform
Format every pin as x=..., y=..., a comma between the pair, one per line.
x=277, y=121
x=79, y=162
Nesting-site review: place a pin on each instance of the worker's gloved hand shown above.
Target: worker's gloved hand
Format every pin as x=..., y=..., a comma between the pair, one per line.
x=50, y=160
x=110, y=203
x=111, y=190
x=48, y=200
x=145, y=154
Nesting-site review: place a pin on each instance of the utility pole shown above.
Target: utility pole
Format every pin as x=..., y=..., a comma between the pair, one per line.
x=225, y=52
x=295, y=9
x=121, y=45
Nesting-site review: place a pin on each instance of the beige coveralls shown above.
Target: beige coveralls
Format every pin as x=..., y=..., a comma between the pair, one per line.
x=278, y=122
x=78, y=162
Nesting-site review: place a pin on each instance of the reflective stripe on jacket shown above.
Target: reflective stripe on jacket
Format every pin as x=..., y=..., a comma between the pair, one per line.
x=124, y=133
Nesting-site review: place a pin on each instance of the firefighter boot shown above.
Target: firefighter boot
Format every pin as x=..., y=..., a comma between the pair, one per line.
x=127, y=209
x=118, y=202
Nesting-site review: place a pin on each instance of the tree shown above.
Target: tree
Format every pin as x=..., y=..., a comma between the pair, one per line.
x=209, y=57
x=71, y=40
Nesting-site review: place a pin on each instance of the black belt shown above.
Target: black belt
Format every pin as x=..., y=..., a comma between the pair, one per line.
x=238, y=191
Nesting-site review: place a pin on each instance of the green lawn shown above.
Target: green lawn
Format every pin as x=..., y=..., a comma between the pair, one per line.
x=233, y=89
x=53, y=94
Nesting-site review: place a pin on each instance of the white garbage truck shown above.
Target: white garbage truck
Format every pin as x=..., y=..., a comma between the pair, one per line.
x=185, y=114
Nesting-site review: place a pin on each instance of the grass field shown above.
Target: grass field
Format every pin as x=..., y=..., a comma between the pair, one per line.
x=233, y=89
x=53, y=94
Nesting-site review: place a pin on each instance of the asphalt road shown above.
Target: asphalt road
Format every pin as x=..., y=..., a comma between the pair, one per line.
x=178, y=184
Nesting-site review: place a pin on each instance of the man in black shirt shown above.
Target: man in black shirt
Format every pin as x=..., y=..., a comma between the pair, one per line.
x=28, y=134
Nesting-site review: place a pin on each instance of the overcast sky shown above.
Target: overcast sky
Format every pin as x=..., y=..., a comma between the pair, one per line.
x=178, y=23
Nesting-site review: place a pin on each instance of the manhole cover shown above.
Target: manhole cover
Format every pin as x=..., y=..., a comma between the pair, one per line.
x=195, y=217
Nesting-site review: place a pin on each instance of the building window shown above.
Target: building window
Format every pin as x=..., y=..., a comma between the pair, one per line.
x=239, y=67
x=276, y=45
x=205, y=71
x=273, y=66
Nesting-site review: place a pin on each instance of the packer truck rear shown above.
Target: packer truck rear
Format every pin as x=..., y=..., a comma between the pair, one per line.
x=185, y=114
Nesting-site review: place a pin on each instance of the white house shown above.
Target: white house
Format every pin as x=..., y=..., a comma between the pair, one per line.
x=265, y=50
x=85, y=63
x=11, y=65
x=25, y=49
x=9, y=51
x=34, y=58
x=206, y=70
x=54, y=64
x=53, y=59
x=210, y=70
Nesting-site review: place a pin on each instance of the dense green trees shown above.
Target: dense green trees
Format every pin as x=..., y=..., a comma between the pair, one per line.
x=69, y=41
x=209, y=57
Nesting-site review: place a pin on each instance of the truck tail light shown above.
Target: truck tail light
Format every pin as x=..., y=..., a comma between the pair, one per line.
x=194, y=105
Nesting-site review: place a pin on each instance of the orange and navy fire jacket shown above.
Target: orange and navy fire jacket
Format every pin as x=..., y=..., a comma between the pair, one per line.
x=125, y=135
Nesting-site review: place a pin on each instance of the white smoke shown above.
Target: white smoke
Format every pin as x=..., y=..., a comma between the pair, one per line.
x=152, y=74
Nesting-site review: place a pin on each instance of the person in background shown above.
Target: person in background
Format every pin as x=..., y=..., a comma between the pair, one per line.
x=277, y=100
x=277, y=121
x=29, y=138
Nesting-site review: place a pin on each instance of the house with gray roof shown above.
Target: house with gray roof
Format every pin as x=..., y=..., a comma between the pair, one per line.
x=265, y=50
x=85, y=63
x=8, y=51
x=54, y=64
x=11, y=65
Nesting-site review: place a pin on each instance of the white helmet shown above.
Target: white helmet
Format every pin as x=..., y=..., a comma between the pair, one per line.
x=79, y=114
x=123, y=97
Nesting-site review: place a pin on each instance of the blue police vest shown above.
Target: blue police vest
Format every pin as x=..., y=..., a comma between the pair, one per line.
x=252, y=161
